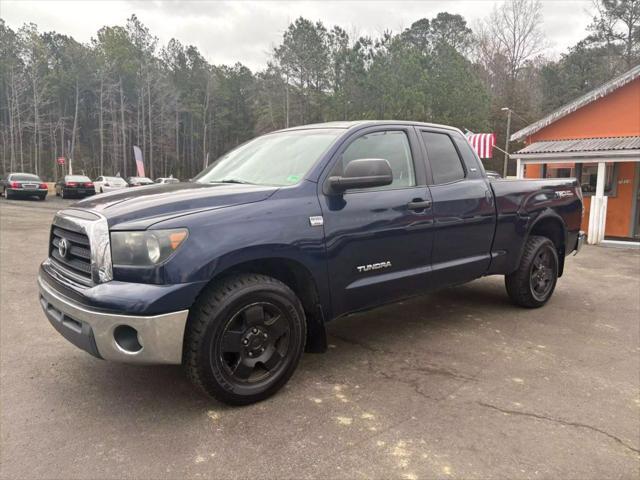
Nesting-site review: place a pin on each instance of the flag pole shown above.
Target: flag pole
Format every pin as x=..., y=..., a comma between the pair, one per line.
x=506, y=148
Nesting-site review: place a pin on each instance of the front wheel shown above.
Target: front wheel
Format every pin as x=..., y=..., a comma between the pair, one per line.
x=244, y=338
x=532, y=285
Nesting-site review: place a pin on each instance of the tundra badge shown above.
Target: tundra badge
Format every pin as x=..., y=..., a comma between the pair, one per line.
x=373, y=266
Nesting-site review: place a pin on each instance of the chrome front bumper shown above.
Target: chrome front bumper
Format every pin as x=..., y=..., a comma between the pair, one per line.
x=149, y=340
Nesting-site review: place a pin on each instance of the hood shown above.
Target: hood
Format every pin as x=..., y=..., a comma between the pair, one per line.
x=140, y=207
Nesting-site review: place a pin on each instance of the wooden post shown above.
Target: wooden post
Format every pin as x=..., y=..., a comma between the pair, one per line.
x=598, y=210
x=519, y=168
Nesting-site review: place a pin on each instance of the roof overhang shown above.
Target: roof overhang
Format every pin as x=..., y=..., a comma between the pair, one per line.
x=612, y=149
x=580, y=157
x=580, y=102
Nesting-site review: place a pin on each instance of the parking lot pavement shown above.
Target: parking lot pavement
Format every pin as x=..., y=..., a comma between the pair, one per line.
x=457, y=384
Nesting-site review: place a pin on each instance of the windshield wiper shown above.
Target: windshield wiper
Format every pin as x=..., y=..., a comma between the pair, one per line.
x=231, y=180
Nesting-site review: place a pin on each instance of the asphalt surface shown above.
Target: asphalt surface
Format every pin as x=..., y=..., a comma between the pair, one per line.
x=457, y=384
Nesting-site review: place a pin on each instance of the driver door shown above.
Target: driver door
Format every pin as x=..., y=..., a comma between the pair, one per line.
x=378, y=240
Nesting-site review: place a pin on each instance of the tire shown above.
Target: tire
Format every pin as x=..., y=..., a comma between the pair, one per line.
x=101, y=190
x=533, y=283
x=62, y=193
x=8, y=195
x=42, y=197
x=244, y=338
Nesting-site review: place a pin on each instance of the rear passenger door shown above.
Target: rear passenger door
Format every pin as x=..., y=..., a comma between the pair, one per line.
x=463, y=208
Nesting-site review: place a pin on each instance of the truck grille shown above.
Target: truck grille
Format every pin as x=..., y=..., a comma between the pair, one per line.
x=76, y=261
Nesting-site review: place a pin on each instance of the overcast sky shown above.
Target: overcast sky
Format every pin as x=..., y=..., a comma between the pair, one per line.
x=231, y=31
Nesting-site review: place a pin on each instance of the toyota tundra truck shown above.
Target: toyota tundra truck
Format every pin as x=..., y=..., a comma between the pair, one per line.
x=235, y=273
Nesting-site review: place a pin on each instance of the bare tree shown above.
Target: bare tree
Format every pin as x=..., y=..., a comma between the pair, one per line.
x=513, y=30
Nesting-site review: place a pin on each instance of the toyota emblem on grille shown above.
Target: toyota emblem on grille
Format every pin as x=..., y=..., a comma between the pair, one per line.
x=63, y=247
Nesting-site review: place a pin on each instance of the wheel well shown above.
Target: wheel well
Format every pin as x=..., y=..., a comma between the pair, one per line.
x=553, y=229
x=298, y=279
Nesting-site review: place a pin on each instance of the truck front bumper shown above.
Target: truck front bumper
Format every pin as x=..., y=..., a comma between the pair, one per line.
x=126, y=338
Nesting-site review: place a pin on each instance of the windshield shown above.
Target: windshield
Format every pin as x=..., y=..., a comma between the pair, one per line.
x=25, y=177
x=277, y=159
x=76, y=178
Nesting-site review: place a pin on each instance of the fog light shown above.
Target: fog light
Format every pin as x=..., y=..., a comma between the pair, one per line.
x=127, y=338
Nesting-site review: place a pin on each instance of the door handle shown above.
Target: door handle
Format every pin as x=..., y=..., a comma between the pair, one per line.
x=419, y=204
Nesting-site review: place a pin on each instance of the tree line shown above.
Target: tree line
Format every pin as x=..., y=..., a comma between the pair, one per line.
x=92, y=102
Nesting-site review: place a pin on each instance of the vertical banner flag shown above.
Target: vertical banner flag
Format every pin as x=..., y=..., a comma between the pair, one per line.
x=482, y=143
x=139, y=162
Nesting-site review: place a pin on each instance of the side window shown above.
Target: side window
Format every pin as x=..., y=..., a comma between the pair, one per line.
x=443, y=157
x=393, y=146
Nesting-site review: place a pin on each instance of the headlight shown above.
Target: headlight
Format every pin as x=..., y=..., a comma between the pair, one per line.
x=146, y=248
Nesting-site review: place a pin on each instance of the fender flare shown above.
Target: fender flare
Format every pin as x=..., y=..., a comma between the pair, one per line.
x=548, y=215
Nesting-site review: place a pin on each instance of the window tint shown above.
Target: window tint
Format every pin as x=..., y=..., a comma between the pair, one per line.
x=393, y=146
x=443, y=157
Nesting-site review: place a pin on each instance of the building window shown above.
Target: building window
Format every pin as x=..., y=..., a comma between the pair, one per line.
x=587, y=175
x=560, y=170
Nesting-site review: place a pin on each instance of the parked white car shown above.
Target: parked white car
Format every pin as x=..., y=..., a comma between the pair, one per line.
x=109, y=184
x=167, y=180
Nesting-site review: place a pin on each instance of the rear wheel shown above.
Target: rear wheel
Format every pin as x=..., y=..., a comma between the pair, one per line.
x=42, y=197
x=532, y=285
x=8, y=194
x=244, y=338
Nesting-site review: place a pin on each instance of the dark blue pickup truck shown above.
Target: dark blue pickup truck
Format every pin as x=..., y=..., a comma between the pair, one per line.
x=234, y=274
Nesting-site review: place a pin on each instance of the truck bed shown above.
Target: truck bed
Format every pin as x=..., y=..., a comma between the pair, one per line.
x=521, y=203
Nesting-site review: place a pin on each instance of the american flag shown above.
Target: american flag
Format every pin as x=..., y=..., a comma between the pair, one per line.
x=482, y=143
x=137, y=153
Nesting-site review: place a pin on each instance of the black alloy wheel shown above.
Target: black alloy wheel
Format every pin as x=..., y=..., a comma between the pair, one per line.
x=254, y=343
x=542, y=274
x=244, y=338
x=533, y=283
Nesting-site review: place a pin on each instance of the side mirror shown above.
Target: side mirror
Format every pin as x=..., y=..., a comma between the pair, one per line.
x=363, y=173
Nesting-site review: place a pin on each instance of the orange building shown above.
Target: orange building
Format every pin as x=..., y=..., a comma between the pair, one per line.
x=595, y=138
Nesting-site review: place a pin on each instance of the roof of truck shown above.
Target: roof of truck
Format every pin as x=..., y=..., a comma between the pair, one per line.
x=363, y=123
